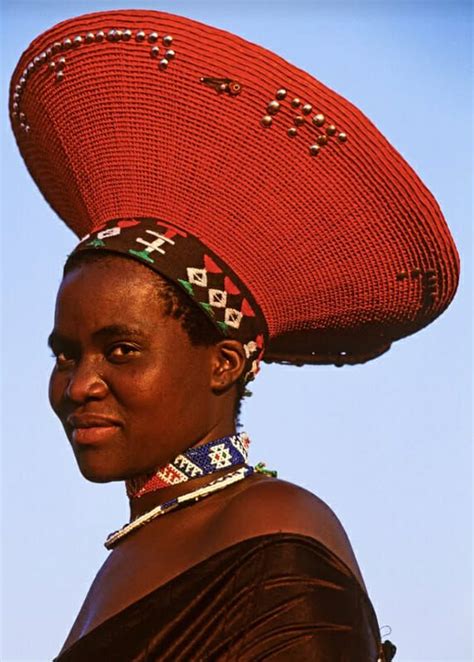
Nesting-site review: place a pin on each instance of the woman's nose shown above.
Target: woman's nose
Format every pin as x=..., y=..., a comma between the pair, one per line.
x=85, y=383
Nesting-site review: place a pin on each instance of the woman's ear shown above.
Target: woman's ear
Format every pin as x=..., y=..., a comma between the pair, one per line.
x=228, y=364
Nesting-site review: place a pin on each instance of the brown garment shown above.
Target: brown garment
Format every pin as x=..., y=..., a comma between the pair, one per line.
x=278, y=597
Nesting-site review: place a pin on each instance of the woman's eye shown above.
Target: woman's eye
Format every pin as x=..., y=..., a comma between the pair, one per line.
x=62, y=359
x=122, y=351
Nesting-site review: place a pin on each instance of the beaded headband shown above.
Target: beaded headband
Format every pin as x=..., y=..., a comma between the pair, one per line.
x=202, y=275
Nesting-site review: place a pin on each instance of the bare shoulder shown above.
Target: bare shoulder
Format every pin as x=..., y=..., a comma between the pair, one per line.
x=271, y=505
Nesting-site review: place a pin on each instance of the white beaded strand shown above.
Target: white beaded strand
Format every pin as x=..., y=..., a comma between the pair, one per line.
x=162, y=509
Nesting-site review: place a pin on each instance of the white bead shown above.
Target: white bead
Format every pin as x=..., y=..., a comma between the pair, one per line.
x=214, y=486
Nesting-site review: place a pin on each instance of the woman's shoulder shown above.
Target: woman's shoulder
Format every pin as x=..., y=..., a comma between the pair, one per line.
x=272, y=505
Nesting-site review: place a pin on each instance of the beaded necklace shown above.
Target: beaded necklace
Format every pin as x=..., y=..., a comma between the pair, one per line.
x=193, y=463
x=216, y=485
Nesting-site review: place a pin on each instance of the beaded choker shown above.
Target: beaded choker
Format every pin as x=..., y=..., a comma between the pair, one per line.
x=193, y=463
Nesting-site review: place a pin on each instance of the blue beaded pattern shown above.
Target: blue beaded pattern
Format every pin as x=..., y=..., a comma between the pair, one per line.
x=218, y=454
x=196, y=462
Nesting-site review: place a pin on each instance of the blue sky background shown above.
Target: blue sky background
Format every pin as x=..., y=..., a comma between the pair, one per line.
x=387, y=445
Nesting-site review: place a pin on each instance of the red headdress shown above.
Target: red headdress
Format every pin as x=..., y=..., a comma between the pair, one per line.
x=317, y=226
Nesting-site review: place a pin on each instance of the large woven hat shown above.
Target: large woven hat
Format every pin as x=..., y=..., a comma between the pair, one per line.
x=134, y=114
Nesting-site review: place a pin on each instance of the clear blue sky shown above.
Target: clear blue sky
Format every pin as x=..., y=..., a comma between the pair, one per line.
x=387, y=445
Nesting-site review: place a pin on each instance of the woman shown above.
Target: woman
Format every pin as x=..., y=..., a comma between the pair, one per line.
x=261, y=569
x=115, y=390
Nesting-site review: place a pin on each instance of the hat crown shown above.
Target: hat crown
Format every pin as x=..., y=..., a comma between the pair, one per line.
x=135, y=113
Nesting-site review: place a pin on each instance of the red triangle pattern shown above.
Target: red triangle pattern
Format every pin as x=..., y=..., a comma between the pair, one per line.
x=127, y=223
x=211, y=266
x=246, y=309
x=230, y=287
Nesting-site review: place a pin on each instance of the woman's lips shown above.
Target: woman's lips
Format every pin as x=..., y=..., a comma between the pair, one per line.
x=92, y=435
x=91, y=428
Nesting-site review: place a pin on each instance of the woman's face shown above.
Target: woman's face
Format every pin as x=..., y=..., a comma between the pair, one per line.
x=129, y=388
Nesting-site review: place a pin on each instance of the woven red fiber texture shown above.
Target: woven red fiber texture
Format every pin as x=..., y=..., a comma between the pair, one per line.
x=342, y=245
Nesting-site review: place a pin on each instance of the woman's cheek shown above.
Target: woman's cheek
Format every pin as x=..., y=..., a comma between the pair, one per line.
x=138, y=386
x=54, y=390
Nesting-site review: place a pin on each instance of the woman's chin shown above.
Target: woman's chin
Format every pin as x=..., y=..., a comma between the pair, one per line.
x=99, y=470
x=95, y=475
x=99, y=465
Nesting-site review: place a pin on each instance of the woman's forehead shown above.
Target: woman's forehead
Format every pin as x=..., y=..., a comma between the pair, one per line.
x=110, y=286
x=117, y=264
x=108, y=273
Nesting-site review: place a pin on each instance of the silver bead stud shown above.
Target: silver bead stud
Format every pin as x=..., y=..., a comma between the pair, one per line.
x=16, y=96
x=77, y=41
x=61, y=63
x=163, y=63
x=14, y=114
x=314, y=150
x=223, y=87
x=273, y=107
x=331, y=130
x=170, y=54
x=27, y=128
x=36, y=60
x=299, y=120
x=43, y=56
x=22, y=125
x=118, y=35
x=90, y=37
x=319, y=119
x=152, y=37
x=155, y=51
x=56, y=47
x=127, y=34
x=292, y=131
x=31, y=67
x=267, y=121
x=67, y=43
x=52, y=65
x=167, y=40
x=22, y=117
x=295, y=102
x=22, y=81
x=111, y=35
x=140, y=36
x=307, y=108
x=342, y=137
x=49, y=52
x=60, y=76
x=15, y=106
x=322, y=140
x=18, y=88
x=25, y=72
x=281, y=94
x=100, y=36
x=235, y=88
